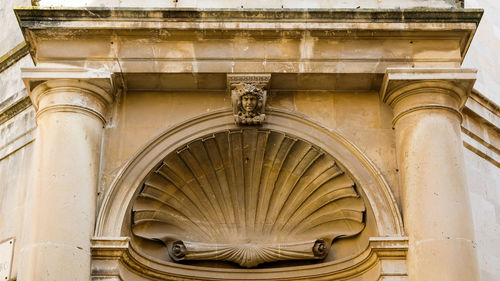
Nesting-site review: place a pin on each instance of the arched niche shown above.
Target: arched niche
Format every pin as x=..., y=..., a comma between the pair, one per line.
x=382, y=218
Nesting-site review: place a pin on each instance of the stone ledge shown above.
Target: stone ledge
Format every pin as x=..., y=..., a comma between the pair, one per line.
x=481, y=127
x=344, y=15
x=14, y=108
x=13, y=56
x=106, y=251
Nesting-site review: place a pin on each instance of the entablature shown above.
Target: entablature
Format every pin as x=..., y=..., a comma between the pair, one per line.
x=248, y=40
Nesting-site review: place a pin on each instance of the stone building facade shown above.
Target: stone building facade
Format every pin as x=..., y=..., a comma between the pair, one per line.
x=250, y=140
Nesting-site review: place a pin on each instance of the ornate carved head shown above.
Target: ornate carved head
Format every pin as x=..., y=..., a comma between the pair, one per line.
x=249, y=98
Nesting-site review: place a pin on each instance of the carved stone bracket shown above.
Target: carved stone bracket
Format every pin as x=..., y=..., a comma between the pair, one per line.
x=248, y=95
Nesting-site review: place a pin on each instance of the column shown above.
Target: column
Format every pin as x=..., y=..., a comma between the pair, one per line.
x=436, y=208
x=61, y=212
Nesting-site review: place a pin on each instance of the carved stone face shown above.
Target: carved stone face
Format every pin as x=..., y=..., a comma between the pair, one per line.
x=249, y=102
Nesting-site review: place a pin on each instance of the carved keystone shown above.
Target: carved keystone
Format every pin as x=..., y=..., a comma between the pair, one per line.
x=248, y=95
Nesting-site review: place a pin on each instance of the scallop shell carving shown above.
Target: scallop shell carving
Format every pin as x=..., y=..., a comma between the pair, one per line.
x=248, y=196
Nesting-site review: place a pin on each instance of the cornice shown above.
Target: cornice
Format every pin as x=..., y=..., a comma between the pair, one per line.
x=13, y=56
x=481, y=127
x=194, y=14
x=14, y=109
x=43, y=24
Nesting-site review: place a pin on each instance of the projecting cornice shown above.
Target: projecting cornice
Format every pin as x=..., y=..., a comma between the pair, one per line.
x=132, y=40
x=309, y=15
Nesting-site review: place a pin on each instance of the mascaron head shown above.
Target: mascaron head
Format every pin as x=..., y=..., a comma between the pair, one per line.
x=250, y=97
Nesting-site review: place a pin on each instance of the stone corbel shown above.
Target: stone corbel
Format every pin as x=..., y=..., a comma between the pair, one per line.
x=248, y=96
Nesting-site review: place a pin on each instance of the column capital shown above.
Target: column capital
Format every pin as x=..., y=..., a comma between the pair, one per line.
x=69, y=90
x=409, y=90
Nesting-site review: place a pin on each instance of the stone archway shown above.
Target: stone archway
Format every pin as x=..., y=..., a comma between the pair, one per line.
x=382, y=217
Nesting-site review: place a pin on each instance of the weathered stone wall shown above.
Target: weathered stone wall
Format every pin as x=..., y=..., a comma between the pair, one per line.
x=17, y=129
x=483, y=169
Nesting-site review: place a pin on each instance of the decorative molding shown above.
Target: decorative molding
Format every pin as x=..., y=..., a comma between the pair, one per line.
x=481, y=127
x=97, y=82
x=248, y=97
x=411, y=90
x=480, y=149
x=427, y=107
x=16, y=141
x=413, y=15
x=14, y=55
x=40, y=23
x=69, y=90
x=383, y=257
x=399, y=83
x=72, y=108
x=14, y=109
x=248, y=196
x=485, y=102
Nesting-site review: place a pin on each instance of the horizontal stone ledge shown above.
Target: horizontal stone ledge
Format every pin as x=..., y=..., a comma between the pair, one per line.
x=391, y=250
x=193, y=14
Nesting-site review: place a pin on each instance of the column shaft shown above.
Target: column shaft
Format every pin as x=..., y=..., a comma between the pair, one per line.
x=61, y=212
x=436, y=208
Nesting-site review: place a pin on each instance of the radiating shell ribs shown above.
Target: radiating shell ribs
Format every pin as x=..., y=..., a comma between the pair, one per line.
x=252, y=195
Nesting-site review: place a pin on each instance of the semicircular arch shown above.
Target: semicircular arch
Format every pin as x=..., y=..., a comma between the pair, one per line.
x=113, y=218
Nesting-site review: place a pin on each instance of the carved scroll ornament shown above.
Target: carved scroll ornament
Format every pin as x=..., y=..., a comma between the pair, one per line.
x=249, y=197
x=247, y=255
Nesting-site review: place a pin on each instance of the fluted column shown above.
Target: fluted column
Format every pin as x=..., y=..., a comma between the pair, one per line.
x=61, y=211
x=436, y=208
